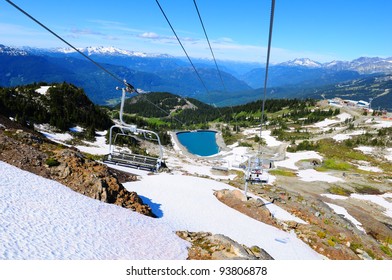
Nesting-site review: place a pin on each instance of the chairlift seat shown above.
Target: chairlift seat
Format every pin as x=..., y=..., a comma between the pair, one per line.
x=133, y=160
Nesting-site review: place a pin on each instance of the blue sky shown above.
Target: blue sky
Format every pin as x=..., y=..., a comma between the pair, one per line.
x=322, y=30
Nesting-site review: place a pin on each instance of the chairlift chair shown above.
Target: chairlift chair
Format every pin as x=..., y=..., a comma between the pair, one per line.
x=132, y=160
x=255, y=171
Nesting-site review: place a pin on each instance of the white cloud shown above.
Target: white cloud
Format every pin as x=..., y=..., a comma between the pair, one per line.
x=150, y=35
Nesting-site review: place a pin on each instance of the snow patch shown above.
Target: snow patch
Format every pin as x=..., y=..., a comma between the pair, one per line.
x=341, y=137
x=292, y=158
x=43, y=90
x=311, y=175
x=341, y=211
x=76, y=129
x=388, y=156
x=377, y=199
x=42, y=219
x=365, y=149
x=327, y=122
x=335, y=196
x=188, y=203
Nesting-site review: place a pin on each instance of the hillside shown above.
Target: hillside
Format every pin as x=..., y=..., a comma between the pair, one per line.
x=61, y=105
x=243, y=82
x=146, y=73
x=378, y=88
x=327, y=192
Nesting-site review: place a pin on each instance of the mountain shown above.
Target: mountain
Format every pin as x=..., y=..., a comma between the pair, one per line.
x=290, y=75
x=243, y=81
x=305, y=62
x=307, y=72
x=61, y=105
x=378, y=88
x=146, y=72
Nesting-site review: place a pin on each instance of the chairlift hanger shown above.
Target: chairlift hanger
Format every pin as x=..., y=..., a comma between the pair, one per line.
x=127, y=159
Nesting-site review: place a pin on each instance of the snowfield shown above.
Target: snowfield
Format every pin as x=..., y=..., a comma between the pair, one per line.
x=42, y=219
x=342, y=211
x=292, y=158
x=327, y=122
x=188, y=203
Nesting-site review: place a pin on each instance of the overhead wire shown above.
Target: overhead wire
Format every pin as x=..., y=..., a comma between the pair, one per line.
x=267, y=66
x=186, y=53
x=209, y=44
x=129, y=87
x=64, y=41
x=212, y=52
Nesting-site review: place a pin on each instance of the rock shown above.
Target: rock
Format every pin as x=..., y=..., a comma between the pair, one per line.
x=238, y=195
x=206, y=245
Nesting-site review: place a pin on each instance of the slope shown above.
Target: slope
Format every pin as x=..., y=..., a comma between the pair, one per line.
x=42, y=219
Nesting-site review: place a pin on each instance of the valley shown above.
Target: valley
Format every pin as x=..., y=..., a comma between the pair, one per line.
x=328, y=193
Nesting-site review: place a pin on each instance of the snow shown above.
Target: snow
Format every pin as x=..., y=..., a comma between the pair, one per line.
x=305, y=62
x=270, y=140
x=266, y=135
x=42, y=90
x=311, y=175
x=327, y=122
x=292, y=158
x=276, y=211
x=388, y=156
x=383, y=124
x=341, y=211
x=341, y=137
x=42, y=219
x=369, y=168
x=57, y=137
x=379, y=200
x=365, y=149
x=76, y=129
x=98, y=147
x=188, y=203
x=335, y=196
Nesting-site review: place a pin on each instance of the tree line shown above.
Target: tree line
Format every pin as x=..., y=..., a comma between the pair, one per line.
x=63, y=106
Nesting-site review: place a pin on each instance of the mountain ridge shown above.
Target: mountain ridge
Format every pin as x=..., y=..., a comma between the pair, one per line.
x=164, y=73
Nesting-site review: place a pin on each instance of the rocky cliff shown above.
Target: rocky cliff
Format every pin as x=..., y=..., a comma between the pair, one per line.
x=31, y=152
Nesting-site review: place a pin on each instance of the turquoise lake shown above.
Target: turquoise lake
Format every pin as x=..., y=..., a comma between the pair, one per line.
x=201, y=142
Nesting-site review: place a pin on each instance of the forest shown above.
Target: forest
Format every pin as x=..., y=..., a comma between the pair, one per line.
x=63, y=106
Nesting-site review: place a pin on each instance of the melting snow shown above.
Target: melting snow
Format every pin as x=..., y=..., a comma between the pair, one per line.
x=42, y=219
x=188, y=203
x=311, y=175
x=389, y=155
x=341, y=137
x=365, y=149
x=335, y=196
x=383, y=124
x=341, y=211
x=42, y=90
x=327, y=122
x=377, y=199
x=292, y=158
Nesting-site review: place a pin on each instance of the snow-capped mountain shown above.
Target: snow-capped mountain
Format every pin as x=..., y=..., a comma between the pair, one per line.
x=305, y=62
x=112, y=51
x=4, y=50
x=362, y=65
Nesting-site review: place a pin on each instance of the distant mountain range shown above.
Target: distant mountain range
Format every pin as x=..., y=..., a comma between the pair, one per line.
x=160, y=72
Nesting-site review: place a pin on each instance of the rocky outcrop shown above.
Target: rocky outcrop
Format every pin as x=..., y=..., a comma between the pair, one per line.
x=95, y=180
x=208, y=246
x=31, y=152
x=254, y=208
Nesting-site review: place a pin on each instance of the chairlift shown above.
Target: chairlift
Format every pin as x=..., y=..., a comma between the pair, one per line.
x=118, y=157
x=256, y=171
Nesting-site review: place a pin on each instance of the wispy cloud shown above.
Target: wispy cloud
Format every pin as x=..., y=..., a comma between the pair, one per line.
x=85, y=31
x=150, y=35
